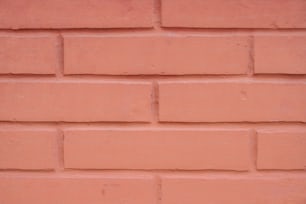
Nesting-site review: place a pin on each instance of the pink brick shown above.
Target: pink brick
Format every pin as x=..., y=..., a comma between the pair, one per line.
x=281, y=150
x=280, y=54
x=156, y=149
x=199, y=190
x=231, y=102
x=75, y=14
x=23, y=149
x=74, y=101
x=77, y=189
x=28, y=54
x=174, y=55
x=234, y=14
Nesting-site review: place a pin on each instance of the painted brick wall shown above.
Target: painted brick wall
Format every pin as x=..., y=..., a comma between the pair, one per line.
x=152, y=101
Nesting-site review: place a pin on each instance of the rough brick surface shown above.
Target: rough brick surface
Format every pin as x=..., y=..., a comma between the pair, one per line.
x=78, y=190
x=281, y=150
x=156, y=55
x=232, y=102
x=75, y=14
x=52, y=101
x=280, y=54
x=151, y=149
x=27, y=149
x=234, y=14
x=198, y=190
x=28, y=54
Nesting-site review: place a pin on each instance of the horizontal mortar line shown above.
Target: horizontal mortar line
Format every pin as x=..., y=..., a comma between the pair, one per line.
x=52, y=30
x=14, y=170
x=220, y=29
x=128, y=172
x=128, y=123
x=234, y=122
x=158, y=29
x=279, y=78
x=165, y=76
x=169, y=170
x=150, y=126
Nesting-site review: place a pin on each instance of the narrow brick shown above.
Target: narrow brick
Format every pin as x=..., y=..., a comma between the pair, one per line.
x=281, y=150
x=26, y=149
x=234, y=14
x=175, y=55
x=156, y=149
x=280, y=54
x=231, y=102
x=18, y=14
x=199, y=190
x=77, y=189
x=74, y=101
x=28, y=54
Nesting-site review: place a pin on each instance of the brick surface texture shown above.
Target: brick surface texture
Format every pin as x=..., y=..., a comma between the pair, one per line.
x=153, y=102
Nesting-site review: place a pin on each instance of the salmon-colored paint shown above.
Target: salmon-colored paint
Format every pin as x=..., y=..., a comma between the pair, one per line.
x=78, y=189
x=174, y=55
x=253, y=190
x=157, y=149
x=152, y=101
x=24, y=149
x=232, y=101
x=286, y=54
x=281, y=150
x=28, y=54
x=75, y=14
x=234, y=14
x=75, y=101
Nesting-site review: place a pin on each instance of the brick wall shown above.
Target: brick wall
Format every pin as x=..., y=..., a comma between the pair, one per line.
x=152, y=102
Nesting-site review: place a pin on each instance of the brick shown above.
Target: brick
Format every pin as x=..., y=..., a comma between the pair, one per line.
x=280, y=54
x=23, y=149
x=156, y=149
x=198, y=190
x=281, y=150
x=234, y=14
x=77, y=190
x=162, y=55
x=231, y=102
x=74, y=101
x=75, y=14
x=28, y=55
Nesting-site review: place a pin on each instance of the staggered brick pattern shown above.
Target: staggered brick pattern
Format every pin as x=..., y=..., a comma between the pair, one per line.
x=152, y=101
